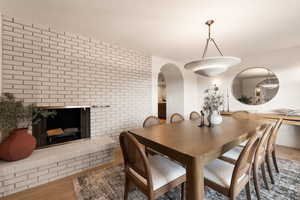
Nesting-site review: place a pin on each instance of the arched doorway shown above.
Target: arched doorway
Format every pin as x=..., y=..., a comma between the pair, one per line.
x=162, y=97
x=174, y=89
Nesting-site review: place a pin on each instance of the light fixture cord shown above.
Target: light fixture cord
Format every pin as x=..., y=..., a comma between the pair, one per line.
x=209, y=31
x=210, y=39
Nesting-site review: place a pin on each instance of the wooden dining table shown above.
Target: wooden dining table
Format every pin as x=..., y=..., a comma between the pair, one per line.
x=194, y=146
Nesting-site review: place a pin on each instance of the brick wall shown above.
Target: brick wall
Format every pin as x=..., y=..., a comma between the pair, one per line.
x=21, y=180
x=53, y=68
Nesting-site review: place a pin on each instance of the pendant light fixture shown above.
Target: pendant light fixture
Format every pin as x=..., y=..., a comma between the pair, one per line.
x=270, y=82
x=212, y=66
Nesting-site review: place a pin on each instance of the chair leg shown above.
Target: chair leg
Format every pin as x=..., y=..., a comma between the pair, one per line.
x=147, y=151
x=263, y=171
x=232, y=198
x=151, y=197
x=248, y=193
x=270, y=169
x=127, y=186
x=182, y=191
x=256, y=183
x=275, y=161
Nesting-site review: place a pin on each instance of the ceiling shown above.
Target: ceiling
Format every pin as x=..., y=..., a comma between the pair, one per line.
x=171, y=28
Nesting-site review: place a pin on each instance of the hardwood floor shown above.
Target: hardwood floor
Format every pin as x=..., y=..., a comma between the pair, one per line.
x=63, y=189
x=162, y=121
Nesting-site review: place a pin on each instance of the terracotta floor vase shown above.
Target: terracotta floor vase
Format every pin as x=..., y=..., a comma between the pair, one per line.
x=18, y=145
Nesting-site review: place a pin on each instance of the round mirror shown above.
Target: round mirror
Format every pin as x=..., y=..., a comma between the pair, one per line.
x=255, y=86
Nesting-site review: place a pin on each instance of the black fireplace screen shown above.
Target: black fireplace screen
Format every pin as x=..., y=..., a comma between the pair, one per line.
x=67, y=125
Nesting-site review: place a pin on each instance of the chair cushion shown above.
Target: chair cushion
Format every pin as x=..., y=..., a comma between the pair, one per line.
x=233, y=154
x=243, y=144
x=164, y=171
x=219, y=172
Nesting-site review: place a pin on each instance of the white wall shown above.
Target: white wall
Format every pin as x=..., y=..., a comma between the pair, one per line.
x=285, y=63
x=0, y=56
x=174, y=89
x=162, y=93
x=190, y=87
x=1, y=137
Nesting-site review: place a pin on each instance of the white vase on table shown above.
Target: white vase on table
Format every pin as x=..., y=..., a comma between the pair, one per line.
x=215, y=117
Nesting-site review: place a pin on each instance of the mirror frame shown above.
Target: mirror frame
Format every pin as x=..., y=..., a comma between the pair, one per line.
x=246, y=70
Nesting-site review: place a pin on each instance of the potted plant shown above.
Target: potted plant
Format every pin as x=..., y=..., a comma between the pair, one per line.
x=213, y=103
x=16, y=119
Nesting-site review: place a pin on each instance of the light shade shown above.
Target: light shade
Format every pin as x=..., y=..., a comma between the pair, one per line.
x=269, y=83
x=212, y=66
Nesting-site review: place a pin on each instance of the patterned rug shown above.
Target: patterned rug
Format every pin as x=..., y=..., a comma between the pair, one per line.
x=109, y=185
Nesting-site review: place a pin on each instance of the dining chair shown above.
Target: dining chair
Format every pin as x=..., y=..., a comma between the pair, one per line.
x=230, y=179
x=269, y=152
x=241, y=115
x=194, y=115
x=176, y=117
x=259, y=158
x=153, y=175
x=148, y=123
x=232, y=155
x=151, y=121
x=271, y=149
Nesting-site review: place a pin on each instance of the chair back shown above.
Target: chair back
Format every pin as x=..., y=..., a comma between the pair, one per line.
x=176, y=117
x=194, y=115
x=260, y=153
x=243, y=166
x=241, y=115
x=273, y=136
x=135, y=159
x=151, y=121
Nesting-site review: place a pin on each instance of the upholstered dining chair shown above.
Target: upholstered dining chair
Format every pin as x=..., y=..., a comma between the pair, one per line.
x=271, y=149
x=260, y=130
x=176, y=117
x=194, y=115
x=232, y=155
x=151, y=121
x=153, y=175
x=241, y=115
x=230, y=179
x=148, y=123
x=259, y=158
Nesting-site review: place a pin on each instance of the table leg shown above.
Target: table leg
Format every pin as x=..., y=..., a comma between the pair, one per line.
x=195, y=180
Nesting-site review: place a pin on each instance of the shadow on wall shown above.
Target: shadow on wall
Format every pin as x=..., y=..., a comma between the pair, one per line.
x=174, y=89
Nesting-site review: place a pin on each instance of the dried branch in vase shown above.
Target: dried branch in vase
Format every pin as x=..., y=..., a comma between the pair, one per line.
x=213, y=100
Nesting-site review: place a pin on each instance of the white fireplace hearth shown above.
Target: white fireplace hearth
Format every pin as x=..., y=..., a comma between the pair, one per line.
x=45, y=165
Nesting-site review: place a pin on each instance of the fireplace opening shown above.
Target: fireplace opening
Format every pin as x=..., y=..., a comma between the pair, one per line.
x=68, y=124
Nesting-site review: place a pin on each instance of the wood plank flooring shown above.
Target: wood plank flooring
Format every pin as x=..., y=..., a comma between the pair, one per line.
x=63, y=189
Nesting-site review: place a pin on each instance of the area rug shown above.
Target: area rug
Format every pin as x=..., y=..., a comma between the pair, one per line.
x=108, y=184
